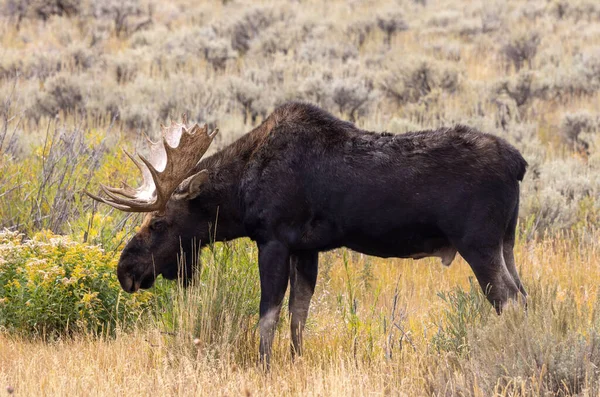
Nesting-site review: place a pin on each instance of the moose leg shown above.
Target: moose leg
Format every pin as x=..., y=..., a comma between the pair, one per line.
x=509, y=259
x=303, y=278
x=274, y=269
x=509, y=256
x=491, y=273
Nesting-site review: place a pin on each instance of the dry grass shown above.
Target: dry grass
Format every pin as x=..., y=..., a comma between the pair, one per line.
x=347, y=356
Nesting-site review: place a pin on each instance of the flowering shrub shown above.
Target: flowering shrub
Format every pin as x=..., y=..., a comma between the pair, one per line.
x=51, y=285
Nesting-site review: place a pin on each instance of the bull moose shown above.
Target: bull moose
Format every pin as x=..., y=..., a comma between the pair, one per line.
x=303, y=182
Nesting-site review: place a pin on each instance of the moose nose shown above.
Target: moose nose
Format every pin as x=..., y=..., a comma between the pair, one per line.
x=128, y=283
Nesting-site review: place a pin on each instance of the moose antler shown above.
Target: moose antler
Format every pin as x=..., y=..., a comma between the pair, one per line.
x=175, y=162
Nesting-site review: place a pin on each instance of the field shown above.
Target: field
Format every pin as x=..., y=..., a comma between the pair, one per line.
x=79, y=80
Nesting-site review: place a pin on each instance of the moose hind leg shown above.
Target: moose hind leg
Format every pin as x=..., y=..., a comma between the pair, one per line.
x=303, y=278
x=509, y=259
x=492, y=274
x=508, y=251
x=274, y=269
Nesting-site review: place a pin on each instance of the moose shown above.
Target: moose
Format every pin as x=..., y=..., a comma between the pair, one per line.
x=304, y=182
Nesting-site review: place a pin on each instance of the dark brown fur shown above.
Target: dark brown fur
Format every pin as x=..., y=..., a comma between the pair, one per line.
x=304, y=182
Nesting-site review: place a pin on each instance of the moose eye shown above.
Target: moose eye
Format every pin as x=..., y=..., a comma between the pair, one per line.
x=157, y=225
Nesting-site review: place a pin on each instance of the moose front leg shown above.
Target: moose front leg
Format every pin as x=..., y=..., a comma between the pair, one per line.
x=303, y=278
x=274, y=269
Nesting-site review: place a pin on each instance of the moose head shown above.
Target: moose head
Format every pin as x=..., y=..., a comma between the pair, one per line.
x=171, y=183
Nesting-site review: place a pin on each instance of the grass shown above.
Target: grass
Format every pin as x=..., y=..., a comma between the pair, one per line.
x=443, y=339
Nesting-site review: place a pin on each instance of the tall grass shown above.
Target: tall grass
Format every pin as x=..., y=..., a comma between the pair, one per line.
x=446, y=339
x=219, y=310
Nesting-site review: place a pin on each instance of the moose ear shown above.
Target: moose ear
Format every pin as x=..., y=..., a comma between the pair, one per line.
x=190, y=188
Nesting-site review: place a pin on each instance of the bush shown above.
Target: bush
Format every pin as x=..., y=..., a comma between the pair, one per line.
x=315, y=88
x=546, y=350
x=575, y=129
x=45, y=65
x=464, y=311
x=521, y=88
x=52, y=286
x=127, y=16
x=250, y=26
x=351, y=96
x=218, y=52
x=580, y=78
x=61, y=93
x=577, y=10
x=359, y=31
x=316, y=52
x=563, y=195
x=248, y=94
x=391, y=23
x=186, y=45
x=409, y=81
x=83, y=58
x=42, y=9
x=41, y=188
x=521, y=49
x=125, y=67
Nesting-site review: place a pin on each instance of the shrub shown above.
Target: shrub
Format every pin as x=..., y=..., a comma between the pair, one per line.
x=445, y=49
x=319, y=52
x=563, y=195
x=52, y=286
x=60, y=93
x=250, y=26
x=315, y=88
x=444, y=19
x=522, y=88
x=125, y=67
x=83, y=58
x=41, y=188
x=218, y=52
x=546, y=350
x=492, y=16
x=10, y=65
x=575, y=128
x=521, y=49
x=247, y=92
x=391, y=23
x=42, y=9
x=127, y=16
x=351, y=96
x=578, y=10
x=464, y=310
x=589, y=62
x=249, y=97
x=411, y=80
x=186, y=45
x=46, y=64
x=360, y=30
x=286, y=37
x=102, y=99
x=139, y=117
